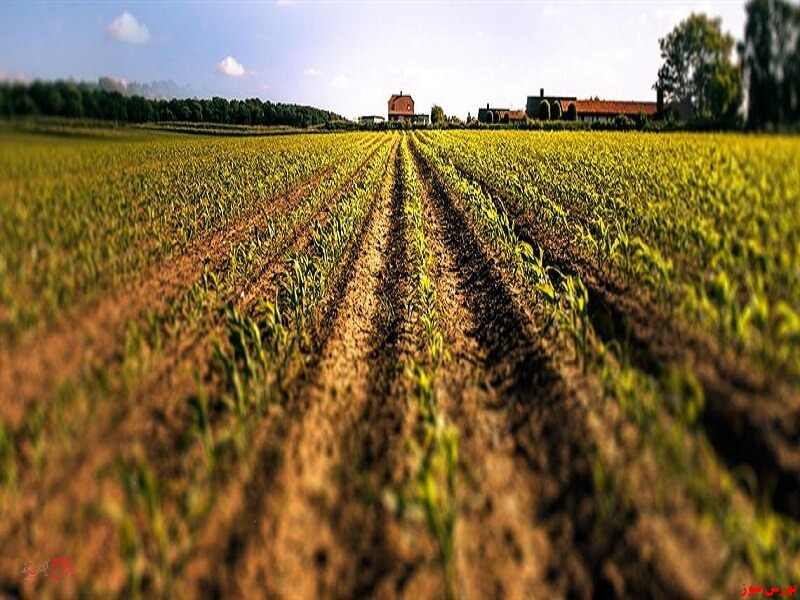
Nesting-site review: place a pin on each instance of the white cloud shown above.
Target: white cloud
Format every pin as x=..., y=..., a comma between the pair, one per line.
x=127, y=29
x=341, y=82
x=230, y=67
x=265, y=87
x=312, y=72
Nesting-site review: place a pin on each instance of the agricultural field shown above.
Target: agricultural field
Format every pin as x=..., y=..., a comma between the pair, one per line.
x=420, y=364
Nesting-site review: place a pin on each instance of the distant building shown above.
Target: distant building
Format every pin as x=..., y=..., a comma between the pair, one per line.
x=370, y=120
x=591, y=110
x=401, y=108
x=607, y=110
x=500, y=115
x=532, y=105
x=595, y=110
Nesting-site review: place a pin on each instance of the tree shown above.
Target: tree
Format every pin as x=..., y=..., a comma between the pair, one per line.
x=71, y=99
x=437, y=115
x=770, y=57
x=544, y=110
x=555, y=111
x=697, y=70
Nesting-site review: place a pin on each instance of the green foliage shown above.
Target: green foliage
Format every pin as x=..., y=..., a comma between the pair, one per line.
x=111, y=100
x=640, y=208
x=697, y=71
x=437, y=115
x=89, y=213
x=770, y=57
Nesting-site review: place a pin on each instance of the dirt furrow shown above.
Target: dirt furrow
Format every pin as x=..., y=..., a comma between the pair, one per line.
x=749, y=419
x=531, y=429
x=304, y=503
x=502, y=549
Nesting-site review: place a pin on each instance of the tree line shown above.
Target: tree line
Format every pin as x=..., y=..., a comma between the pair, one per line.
x=89, y=101
x=700, y=80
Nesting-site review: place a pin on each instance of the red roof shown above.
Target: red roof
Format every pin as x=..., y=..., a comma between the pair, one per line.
x=401, y=104
x=614, y=107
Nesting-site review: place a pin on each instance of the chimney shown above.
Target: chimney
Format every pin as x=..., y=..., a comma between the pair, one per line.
x=541, y=92
x=487, y=106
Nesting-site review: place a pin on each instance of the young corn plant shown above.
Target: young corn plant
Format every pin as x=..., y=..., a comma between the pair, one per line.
x=8, y=459
x=142, y=529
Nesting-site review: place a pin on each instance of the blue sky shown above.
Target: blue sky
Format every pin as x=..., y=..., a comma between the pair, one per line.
x=350, y=56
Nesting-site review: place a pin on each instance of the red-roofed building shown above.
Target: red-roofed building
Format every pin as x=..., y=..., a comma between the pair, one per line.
x=594, y=110
x=608, y=110
x=401, y=108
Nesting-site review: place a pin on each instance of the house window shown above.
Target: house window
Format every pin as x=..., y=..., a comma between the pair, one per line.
x=408, y=107
x=392, y=105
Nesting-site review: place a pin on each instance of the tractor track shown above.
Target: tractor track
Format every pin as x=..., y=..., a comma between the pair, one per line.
x=502, y=548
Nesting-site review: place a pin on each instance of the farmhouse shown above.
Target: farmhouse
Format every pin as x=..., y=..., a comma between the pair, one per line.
x=401, y=108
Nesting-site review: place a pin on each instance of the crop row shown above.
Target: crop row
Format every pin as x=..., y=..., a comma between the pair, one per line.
x=260, y=361
x=167, y=342
x=432, y=489
x=706, y=226
x=194, y=313
x=83, y=215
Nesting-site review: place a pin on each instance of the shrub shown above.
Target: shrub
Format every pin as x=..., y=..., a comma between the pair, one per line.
x=544, y=110
x=555, y=111
x=624, y=123
x=572, y=112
